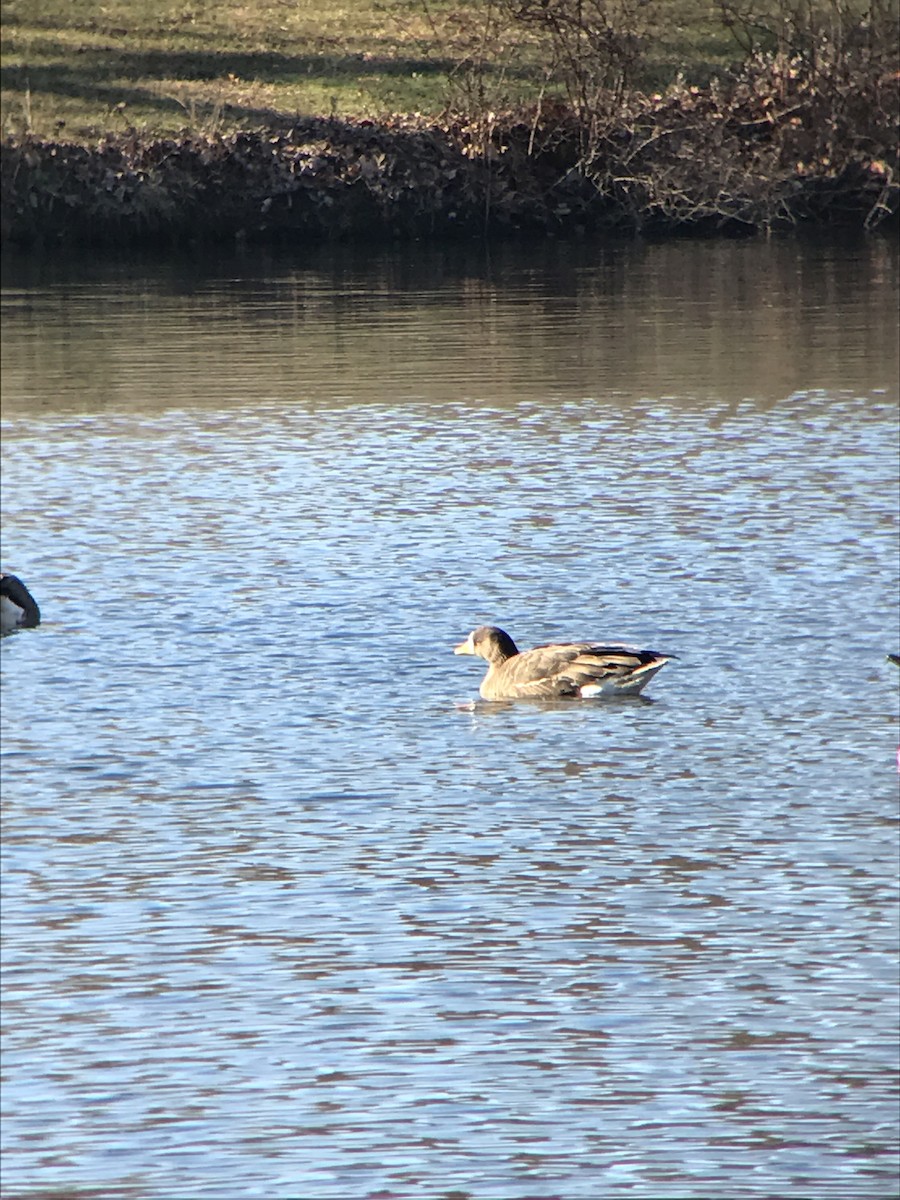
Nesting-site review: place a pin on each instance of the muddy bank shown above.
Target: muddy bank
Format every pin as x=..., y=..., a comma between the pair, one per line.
x=698, y=162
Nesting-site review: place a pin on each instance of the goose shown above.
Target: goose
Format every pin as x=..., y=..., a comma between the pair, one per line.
x=559, y=671
x=18, y=609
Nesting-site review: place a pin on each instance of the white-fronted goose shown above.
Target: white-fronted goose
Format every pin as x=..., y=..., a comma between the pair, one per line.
x=18, y=609
x=556, y=672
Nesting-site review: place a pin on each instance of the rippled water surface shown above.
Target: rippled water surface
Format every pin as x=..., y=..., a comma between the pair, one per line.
x=285, y=913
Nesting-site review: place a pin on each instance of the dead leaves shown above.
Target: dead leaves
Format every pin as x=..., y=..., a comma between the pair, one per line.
x=691, y=158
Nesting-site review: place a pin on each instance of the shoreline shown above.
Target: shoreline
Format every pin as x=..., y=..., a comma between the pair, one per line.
x=696, y=163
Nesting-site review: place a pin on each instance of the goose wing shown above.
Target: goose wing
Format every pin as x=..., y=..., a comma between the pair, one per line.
x=543, y=671
x=564, y=669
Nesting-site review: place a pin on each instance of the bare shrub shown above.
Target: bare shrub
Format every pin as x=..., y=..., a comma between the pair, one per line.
x=837, y=62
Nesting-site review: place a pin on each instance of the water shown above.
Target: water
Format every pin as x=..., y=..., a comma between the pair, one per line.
x=286, y=912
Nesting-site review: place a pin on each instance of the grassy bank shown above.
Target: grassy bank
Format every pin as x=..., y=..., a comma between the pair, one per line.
x=411, y=118
x=81, y=68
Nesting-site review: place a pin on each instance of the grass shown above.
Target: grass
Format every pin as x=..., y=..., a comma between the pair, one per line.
x=76, y=69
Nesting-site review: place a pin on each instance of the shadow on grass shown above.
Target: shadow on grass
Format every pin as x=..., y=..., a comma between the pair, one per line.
x=150, y=82
x=95, y=77
x=97, y=64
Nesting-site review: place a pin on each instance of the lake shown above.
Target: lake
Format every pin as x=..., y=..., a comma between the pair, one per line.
x=287, y=910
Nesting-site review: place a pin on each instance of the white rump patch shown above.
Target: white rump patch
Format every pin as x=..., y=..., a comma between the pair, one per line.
x=631, y=685
x=589, y=690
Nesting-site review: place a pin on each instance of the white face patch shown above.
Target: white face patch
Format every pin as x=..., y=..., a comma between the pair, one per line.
x=466, y=647
x=10, y=614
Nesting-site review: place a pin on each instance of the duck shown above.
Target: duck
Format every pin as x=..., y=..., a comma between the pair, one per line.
x=18, y=608
x=559, y=671
x=895, y=659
